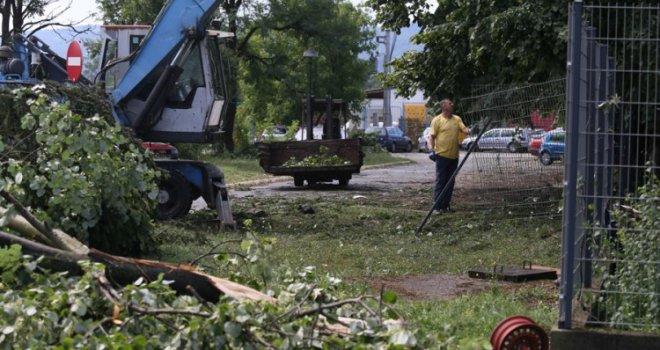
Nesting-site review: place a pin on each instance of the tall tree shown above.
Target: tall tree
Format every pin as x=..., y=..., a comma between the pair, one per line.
x=471, y=42
x=275, y=79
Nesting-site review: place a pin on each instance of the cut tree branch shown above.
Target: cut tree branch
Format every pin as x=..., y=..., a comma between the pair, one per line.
x=57, y=238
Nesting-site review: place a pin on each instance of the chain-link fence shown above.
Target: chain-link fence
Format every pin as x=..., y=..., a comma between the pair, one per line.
x=507, y=171
x=611, y=233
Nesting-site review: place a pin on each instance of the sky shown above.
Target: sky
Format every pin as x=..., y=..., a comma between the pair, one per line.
x=79, y=9
x=83, y=8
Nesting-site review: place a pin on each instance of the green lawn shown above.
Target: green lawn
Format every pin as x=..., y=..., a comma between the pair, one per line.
x=376, y=158
x=247, y=169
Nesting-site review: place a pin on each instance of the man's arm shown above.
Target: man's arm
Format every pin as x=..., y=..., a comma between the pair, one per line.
x=431, y=142
x=464, y=128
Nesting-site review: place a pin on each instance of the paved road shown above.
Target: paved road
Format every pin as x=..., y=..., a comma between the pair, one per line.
x=420, y=172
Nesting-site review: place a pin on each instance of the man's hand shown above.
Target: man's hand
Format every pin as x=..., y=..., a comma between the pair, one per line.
x=433, y=156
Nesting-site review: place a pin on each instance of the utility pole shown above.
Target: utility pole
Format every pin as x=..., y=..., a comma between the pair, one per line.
x=385, y=39
x=310, y=55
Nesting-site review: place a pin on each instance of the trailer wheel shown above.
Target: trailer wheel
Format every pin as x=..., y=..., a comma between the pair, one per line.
x=174, y=196
x=298, y=181
x=343, y=181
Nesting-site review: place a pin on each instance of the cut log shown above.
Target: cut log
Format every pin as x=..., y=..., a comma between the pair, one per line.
x=124, y=271
x=29, y=227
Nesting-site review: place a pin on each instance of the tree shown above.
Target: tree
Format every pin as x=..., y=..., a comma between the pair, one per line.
x=129, y=11
x=274, y=78
x=476, y=41
x=30, y=16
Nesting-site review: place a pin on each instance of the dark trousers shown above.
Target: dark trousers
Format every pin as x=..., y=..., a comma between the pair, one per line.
x=444, y=169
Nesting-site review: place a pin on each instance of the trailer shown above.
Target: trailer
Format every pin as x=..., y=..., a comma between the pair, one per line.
x=273, y=158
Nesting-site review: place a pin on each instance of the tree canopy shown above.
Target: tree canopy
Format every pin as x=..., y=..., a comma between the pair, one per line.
x=471, y=42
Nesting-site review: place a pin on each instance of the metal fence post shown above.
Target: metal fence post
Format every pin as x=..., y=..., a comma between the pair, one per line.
x=573, y=67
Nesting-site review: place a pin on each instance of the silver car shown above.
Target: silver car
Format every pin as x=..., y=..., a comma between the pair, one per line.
x=422, y=141
x=511, y=139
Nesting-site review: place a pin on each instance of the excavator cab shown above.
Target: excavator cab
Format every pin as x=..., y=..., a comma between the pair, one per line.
x=187, y=105
x=167, y=83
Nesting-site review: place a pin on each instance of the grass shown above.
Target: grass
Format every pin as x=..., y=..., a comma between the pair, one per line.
x=246, y=169
x=376, y=158
x=350, y=237
x=239, y=169
x=467, y=322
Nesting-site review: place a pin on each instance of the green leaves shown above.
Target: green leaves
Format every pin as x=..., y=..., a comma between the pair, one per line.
x=10, y=259
x=475, y=42
x=66, y=312
x=324, y=158
x=630, y=297
x=273, y=73
x=390, y=297
x=83, y=174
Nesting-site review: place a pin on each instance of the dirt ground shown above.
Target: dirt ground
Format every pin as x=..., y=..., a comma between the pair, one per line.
x=410, y=186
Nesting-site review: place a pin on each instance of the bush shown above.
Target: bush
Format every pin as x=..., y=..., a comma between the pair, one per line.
x=630, y=275
x=637, y=277
x=80, y=173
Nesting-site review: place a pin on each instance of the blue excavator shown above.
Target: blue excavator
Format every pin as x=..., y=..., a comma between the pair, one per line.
x=167, y=82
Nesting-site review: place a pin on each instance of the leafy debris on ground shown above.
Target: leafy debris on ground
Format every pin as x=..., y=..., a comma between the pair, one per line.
x=323, y=159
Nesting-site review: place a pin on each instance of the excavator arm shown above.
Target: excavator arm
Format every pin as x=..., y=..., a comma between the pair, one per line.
x=178, y=22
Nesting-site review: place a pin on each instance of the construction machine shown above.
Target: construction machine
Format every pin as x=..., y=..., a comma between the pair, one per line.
x=167, y=82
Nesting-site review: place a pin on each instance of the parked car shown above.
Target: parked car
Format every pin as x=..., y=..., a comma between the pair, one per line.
x=317, y=132
x=276, y=133
x=536, y=139
x=511, y=139
x=552, y=146
x=391, y=138
x=423, y=141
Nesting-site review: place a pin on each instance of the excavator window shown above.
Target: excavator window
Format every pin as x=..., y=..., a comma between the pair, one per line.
x=183, y=92
x=217, y=68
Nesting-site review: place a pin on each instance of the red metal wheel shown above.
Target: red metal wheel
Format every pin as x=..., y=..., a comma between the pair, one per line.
x=519, y=333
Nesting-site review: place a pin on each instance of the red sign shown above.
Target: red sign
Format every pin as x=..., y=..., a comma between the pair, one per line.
x=74, y=61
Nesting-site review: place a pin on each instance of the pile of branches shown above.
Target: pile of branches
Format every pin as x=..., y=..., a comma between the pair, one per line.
x=55, y=291
x=323, y=159
x=64, y=156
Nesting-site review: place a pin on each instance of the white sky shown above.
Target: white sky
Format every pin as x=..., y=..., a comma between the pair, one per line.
x=83, y=8
x=79, y=9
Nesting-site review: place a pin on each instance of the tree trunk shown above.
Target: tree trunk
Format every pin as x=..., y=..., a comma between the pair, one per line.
x=123, y=271
x=6, y=19
x=17, y=17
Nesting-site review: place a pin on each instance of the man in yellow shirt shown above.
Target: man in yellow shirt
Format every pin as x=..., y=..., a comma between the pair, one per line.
x=443, y=140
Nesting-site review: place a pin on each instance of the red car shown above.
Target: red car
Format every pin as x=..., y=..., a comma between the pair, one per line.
x=535, y=145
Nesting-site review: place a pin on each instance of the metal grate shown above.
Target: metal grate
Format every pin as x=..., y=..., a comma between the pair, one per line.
x=611, y=233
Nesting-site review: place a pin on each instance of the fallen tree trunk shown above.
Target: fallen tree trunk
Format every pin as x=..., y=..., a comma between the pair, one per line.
x=124, y=271
x=29, y=227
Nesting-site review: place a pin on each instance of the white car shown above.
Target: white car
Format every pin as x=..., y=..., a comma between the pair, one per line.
x=423, y=141
x=511, y=139
x=276, y=133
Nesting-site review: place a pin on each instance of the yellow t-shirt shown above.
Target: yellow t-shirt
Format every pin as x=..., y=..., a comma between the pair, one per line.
x=446, y=133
